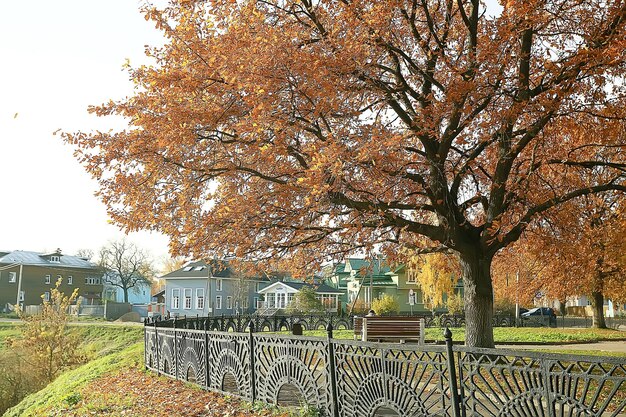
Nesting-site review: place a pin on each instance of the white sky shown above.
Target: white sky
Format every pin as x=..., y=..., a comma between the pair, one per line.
x=58, y=57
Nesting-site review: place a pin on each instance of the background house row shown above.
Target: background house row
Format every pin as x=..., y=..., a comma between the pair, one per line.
x=26, y=277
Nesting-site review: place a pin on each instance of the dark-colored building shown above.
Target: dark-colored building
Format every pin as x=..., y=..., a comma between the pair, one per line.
x=27, y=276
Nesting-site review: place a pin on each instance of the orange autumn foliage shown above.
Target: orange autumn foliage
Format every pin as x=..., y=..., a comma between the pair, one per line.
x=293, y=132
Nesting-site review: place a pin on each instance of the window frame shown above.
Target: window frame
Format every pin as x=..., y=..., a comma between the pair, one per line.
x=70, y=280
x=47, y=279
x=187, y=299
x=219, y=284
x=229, y=303
x=199, y=299
x=218, y=302
x=12, y=277
x=175, y=301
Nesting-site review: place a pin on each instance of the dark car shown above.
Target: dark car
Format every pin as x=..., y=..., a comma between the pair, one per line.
x=539, y=316
x=539, y=311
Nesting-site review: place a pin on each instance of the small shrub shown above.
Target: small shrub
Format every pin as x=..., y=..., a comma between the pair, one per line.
x=73, y=399
x=305, y=410
x=385, y=305
x=455, y=304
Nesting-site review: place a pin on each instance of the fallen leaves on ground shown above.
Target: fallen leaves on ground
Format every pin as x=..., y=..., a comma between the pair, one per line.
x=134, y=393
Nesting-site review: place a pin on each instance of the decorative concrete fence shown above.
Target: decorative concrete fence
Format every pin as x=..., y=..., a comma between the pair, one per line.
x=348, y=378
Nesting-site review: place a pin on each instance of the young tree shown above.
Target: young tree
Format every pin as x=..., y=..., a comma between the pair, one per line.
x=387, y=304
x=46, y=344
x=125, y=266
x=305, y=302
x=436, y=274
x=581, y=249
x=300, y=130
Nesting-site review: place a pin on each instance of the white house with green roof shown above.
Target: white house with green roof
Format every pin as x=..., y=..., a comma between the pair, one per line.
x=364, y=280
x=279, y=294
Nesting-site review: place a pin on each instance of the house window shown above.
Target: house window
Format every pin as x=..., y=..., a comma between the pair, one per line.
x=280, y=300
x=21, y=295
x=218, y=285
x=199, y=298
x=271, y=300
x=46, y=296
x=229, y=303
x=175, y=298
x=244, y=303
x=55, y=259
x=92, y=281
x=59, y=277
x=47, y=279
x=12, y=276
x=218, y=302
x=256, y=303
x=187, y=268
x=187, y=298
x=258, y=287
x=290, y=298
x=70, y=280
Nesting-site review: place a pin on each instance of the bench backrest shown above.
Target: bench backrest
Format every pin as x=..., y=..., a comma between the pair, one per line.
x=389, y=327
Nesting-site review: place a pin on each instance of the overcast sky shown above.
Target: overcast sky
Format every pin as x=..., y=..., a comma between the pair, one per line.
x=58, y=57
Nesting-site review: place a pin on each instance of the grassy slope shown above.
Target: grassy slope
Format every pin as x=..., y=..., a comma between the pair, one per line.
x=114, y=347
x=64, y=388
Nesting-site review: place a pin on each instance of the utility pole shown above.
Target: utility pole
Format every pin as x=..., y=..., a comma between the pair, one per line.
x=19, y=286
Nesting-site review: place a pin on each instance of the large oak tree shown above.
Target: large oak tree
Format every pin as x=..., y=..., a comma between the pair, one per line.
x=312, y=128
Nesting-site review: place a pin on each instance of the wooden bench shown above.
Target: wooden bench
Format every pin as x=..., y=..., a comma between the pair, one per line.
x=389, y=328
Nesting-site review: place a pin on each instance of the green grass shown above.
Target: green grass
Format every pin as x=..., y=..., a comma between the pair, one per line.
x=65, y=388
x=507, y=334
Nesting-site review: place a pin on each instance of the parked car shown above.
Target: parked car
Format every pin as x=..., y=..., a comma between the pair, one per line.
x=539, y=311
x=541, y=316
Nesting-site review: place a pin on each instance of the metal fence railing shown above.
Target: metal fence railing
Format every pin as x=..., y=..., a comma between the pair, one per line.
x=344, y=378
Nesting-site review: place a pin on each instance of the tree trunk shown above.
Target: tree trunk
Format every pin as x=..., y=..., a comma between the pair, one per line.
x=476, y=269
x=126, y=295
x=597, y=306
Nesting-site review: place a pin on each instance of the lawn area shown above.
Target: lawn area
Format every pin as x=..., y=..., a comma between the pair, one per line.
x=509, y=334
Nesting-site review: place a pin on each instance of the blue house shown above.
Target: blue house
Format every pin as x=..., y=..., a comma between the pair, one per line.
x=214, y=288
x=140, y=293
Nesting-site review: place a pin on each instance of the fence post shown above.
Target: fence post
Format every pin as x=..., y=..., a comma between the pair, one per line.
x=156, y=342
x=456, y=402
x=175, y=358
x=252, y=373
x=332, y=370
x=206, y=355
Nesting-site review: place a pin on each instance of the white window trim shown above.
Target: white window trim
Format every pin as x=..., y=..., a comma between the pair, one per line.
x=59, y=277
x=70, y=280
x=47, y=279
x=187, y=301
x=229, y=303
x=219, y=285
x=175, y=302
x=46, y=296
x=22, y=295
x=218, y=302
x=199, y=297
x=12, y=277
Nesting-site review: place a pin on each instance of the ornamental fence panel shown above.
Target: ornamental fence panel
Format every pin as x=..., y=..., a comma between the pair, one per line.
x=239, y=323
x=344, y=378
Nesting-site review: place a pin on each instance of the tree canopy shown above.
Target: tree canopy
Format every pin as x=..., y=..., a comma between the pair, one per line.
x=300, y=130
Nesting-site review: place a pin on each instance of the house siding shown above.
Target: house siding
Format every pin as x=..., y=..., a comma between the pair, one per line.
x=34, y=284
x=242, y=293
